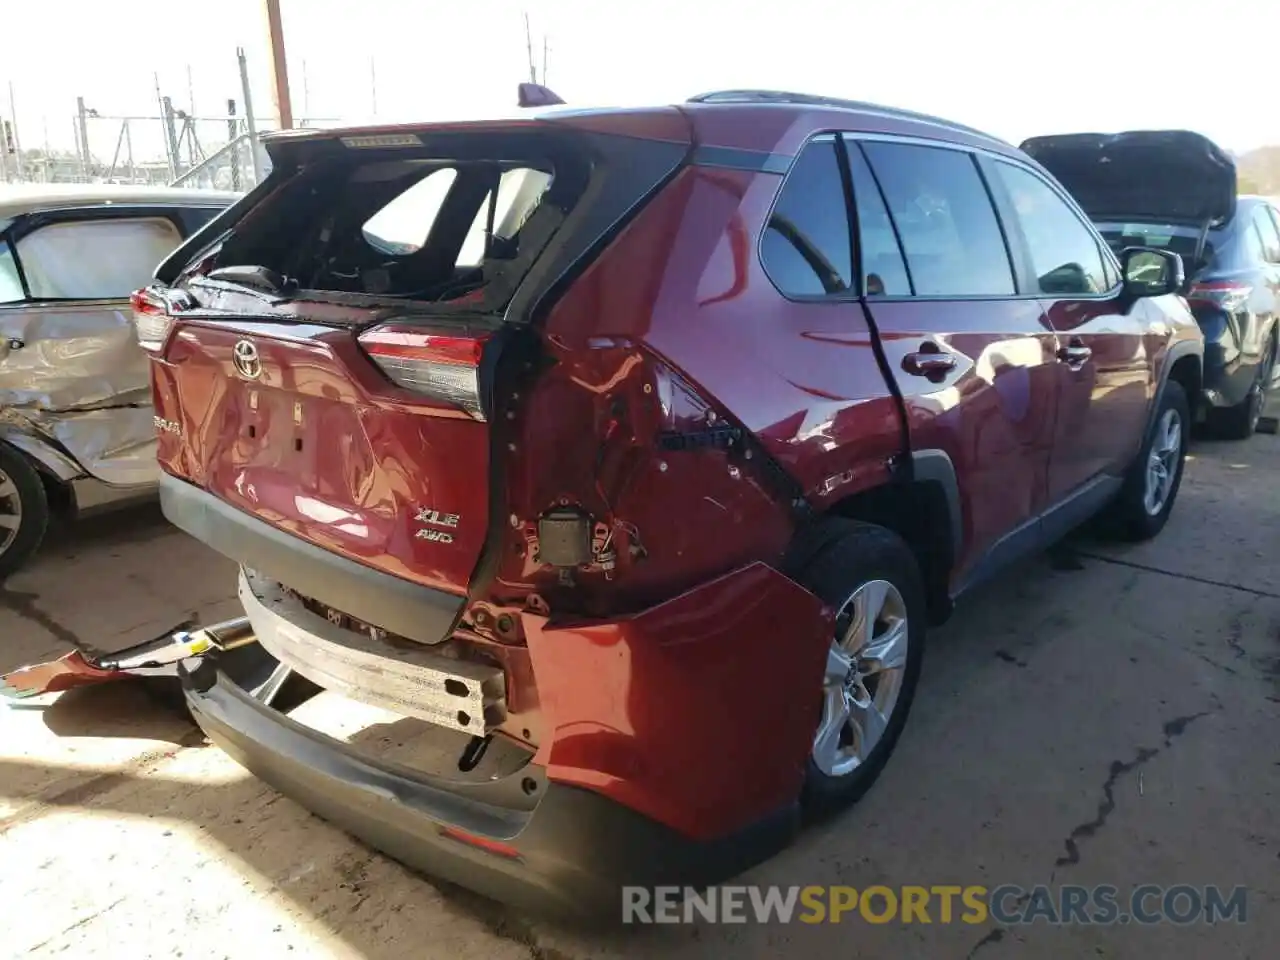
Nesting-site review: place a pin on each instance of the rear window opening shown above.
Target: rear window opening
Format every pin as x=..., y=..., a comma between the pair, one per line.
x=457, y=226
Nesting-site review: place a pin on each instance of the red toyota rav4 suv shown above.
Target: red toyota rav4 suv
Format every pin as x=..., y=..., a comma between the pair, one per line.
x=631, y=451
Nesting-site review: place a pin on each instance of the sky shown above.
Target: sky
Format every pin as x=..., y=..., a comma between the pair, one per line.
x=1015, y=68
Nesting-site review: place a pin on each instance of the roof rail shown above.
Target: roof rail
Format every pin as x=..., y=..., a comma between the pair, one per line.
x=812, y=100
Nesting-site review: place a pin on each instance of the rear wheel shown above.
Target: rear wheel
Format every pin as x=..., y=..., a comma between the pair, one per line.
x=1241, y=421
x=871, y=578
x=24, y=510
x=1151, y=485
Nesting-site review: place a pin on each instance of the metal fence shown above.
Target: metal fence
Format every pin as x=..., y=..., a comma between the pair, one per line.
x=171, y=147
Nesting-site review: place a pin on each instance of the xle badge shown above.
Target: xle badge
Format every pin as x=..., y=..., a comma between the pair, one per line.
x=432, y=520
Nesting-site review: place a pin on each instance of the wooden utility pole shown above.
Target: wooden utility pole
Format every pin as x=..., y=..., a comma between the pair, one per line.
x=279, y=69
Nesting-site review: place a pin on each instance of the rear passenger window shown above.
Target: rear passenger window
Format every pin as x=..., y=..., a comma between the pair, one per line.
x=1064, y=252
x=805, y=248
x=401, y=227
x=948, y=227
x=884, y=273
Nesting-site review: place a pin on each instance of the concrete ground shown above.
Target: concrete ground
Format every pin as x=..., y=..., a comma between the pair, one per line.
x=1105, y=715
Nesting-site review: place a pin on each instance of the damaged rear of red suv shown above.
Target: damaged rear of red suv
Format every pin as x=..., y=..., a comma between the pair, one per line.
x=522, y=429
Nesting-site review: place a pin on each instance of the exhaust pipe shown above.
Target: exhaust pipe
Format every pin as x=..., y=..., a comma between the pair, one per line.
x=180, y=645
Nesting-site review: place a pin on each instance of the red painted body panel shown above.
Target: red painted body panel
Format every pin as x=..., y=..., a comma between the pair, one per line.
x=993, y=415
x=324, y=447
x=802, y=377
x=675, y=519
x=1102, y=405
x=669, y=713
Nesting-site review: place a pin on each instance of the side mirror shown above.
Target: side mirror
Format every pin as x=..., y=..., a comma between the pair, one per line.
x=1149, y=272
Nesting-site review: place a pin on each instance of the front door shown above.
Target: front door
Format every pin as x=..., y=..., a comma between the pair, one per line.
x=70, y=360
x=1105, y=375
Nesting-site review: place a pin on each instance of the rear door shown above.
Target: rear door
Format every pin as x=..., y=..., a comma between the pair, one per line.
x=970, y=353
x=1104, y=370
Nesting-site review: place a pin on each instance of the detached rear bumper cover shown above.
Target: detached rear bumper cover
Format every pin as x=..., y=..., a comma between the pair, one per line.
x=576, y=848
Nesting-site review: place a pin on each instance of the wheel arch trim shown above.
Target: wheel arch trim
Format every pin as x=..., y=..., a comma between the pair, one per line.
x=1178, y=351
x=935, y=466
x=46, y=458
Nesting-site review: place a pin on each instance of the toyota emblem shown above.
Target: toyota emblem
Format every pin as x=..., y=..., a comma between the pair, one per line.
x=245, y=357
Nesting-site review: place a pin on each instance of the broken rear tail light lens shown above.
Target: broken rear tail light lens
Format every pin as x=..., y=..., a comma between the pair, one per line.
x=151, y=320
x=444, y=367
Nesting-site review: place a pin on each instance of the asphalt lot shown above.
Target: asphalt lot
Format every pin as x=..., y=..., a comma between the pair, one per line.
x=1104, y=715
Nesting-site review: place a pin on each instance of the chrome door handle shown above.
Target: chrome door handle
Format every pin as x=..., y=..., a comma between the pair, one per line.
x=933, y=364
x=1074, y=354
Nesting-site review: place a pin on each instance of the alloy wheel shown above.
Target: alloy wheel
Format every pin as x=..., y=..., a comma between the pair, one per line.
x=864, y=674
x=10, y=511
x=1163, y=461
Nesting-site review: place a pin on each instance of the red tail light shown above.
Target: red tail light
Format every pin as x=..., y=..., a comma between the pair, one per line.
x=151, y=320
x=444, y=367
x=1228, y=295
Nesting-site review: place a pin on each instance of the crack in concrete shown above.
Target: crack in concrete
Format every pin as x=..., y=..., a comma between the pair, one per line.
x=1221, y=666
x=1235, y=632
x=1172, y=729
x=1107, y=805
x=1191, y=577
x=1008, y=657
x=89, y=918
x=995, y=936
x=23, y=605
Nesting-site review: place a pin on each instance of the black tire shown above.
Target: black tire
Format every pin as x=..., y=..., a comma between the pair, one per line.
x=1241, y=421
x=858, y=554
x=17, y=546
x=1128, y=517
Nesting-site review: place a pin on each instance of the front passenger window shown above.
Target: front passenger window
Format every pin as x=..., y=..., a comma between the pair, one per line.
x=1064, y=252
